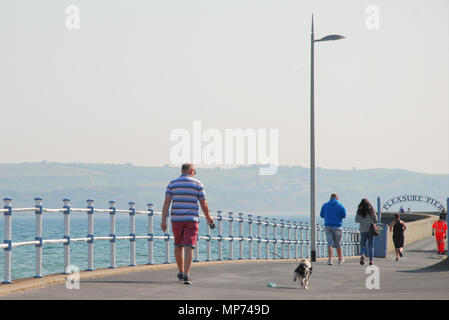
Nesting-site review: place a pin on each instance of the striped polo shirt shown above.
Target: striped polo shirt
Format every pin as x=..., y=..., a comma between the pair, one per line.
x=185, y=192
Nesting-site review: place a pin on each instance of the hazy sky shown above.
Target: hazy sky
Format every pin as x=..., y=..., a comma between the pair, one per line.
x=115, y=89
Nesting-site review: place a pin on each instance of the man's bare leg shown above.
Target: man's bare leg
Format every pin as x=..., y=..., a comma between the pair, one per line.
x=188, y=259
x=329, y=252
x=340, y=254
x=179, y=259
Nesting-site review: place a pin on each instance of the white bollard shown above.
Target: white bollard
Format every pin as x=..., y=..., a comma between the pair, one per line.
x=66, y=236
x=38, y=237
x=231, y=236
x=132, y=233
x=112, y=233
x=150, y=233
x=8, y=240
x=220, y=235
x=241, y=235
x=90, y=234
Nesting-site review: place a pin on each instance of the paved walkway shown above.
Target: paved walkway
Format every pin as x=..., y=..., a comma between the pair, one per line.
x=421, y=274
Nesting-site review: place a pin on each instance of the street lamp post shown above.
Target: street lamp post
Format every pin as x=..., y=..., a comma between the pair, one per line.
x=312, y=139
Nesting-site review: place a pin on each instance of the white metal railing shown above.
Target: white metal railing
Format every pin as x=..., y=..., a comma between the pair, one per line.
x=301, y=245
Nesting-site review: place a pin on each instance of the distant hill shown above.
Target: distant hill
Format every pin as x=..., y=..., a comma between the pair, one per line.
x=241, y=189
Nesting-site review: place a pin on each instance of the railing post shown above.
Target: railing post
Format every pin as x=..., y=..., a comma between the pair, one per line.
x=196, y=257
x=358, y=242
x=132, y=233
x=90, y=243
x=167, y=239
x=259, y=237
x=301, y=240
x=241, y=235
x=66, y=236
x=112, y=233
x=295, y=228
x=267, y=238
x=320, y=237
x=38, y=237
x=352, y=242
x=8, y=239
x=208, y=257
x=150, y=232
x=231, y=236
x=288, y=239
x=275, y=253
x=250, y=222
x=220, y=235
x=282, y=225
x=307, y=240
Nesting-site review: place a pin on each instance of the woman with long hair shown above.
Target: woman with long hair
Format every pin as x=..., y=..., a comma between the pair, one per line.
x=365, y=215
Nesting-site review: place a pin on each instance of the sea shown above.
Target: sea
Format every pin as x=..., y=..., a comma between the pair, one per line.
x=23, y=229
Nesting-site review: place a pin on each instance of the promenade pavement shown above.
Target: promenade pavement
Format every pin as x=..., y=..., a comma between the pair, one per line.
x=420, y=274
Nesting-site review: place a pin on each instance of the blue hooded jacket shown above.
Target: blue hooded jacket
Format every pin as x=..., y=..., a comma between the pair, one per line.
x=333, y=213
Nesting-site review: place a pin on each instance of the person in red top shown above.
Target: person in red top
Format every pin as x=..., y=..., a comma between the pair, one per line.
x=439, y=229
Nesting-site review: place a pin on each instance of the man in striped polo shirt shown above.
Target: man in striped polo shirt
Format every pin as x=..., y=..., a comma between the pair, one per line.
x=183, y=194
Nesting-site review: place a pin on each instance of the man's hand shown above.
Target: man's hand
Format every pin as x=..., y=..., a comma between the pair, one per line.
x=205, y=209
x=209, y=219
x=165, y=213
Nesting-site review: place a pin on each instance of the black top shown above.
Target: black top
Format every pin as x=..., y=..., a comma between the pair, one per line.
x=398, y=229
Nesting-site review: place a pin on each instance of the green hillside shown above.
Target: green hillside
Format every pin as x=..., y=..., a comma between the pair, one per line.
x=240, y=189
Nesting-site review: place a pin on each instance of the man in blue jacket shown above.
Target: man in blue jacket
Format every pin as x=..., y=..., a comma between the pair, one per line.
x=333, y=213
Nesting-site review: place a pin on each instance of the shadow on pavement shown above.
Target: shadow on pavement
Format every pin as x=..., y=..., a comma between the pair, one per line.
x=442, y=266
x=129, y=281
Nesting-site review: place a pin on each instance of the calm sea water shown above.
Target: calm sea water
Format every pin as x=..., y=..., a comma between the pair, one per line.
x=23, y=229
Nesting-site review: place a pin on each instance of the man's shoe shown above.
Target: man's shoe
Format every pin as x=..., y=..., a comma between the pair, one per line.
x=329, y=262
x=362, y=260
x=180, y=276
x=187, y=279
x=341, y=261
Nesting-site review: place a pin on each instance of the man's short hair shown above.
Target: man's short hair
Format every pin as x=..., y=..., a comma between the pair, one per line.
x=334, y=196
x=186, y=167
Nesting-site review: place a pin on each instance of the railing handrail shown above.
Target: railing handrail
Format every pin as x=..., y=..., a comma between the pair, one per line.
x=351, y=237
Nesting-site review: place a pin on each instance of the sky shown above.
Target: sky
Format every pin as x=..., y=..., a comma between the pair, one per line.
x=114, y=90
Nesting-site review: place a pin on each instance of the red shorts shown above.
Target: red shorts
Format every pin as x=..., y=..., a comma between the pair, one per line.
x=185, y=233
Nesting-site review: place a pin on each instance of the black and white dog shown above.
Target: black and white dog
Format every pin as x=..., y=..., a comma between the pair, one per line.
x=303, y=273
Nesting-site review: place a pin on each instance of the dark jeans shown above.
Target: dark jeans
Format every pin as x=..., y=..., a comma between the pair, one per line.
x=364, y=237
